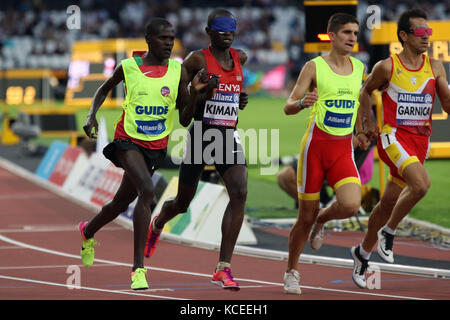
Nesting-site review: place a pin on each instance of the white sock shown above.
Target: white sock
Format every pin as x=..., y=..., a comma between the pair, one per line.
x=364, y=253
x=222, y=265
x=389, y=230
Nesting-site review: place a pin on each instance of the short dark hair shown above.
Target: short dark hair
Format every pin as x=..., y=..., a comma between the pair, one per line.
x=154, y=26
x=339, y=19
x=219, y=12
x=404, y=23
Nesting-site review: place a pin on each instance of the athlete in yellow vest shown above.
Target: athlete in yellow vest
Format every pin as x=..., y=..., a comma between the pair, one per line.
x=409, y=81
x=155, y=87
x=326, y=151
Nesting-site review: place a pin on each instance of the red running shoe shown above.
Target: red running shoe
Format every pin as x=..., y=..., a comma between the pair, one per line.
x=224, y=279
x=152, y=240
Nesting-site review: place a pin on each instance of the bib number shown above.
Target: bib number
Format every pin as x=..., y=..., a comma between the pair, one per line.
x=413, y=109
x=386, y=141
x=222, y=110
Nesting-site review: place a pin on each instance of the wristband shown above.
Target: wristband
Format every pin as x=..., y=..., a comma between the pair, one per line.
x=300, y=104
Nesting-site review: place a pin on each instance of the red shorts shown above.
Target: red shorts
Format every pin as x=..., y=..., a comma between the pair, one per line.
x=324, y=156
x=399, y=148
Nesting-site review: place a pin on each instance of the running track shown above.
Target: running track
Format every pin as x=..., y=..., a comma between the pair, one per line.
x=39, y=251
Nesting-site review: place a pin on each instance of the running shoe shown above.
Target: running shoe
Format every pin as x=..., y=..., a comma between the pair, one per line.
x=138, y=280
x=291, y=282
x=87, y=251
x=316, y=236
x=359, y=267
x=152, y=240
x=385, y=244
x=224, y=279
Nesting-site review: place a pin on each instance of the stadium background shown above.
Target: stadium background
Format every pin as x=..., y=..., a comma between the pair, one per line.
x=39, y=66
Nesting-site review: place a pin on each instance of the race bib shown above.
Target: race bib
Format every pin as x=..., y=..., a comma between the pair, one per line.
x=413, y=109
x=222, y=110
x=386, y=141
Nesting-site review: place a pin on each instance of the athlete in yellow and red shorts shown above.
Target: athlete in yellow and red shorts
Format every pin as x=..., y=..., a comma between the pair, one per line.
x=398, y=148
x=323, y=155
x=330, y=86
x=410, y=81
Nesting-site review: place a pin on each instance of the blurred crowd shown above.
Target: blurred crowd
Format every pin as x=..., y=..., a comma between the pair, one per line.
x=33, y=33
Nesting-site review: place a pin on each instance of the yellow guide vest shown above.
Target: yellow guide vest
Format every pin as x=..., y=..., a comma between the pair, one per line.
x=337, y=106
x=150, y=102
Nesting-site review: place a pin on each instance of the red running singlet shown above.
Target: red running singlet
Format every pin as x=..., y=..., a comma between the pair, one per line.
x=222, y=109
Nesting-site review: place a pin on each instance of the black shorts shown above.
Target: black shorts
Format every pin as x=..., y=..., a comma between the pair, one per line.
x=152, y=157
x=220, y=147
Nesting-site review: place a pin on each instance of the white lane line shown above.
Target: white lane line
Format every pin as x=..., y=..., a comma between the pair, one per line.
x=50, y=266
x=338, y=290
x=18, y=243
x=212, y=287
x=88, y=288
x=50, y=228
x=150, y=290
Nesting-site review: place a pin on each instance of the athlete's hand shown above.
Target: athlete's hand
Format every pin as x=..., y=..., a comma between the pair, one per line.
x=362, y=141
x=243, y=100
x=205, y=81
x=200, y=80
x=91, y=123
x=213, y=83
x=370, y=129
x=310, y=98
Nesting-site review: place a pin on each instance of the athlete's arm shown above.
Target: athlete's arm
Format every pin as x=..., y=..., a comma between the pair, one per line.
x=442, y=88
x=243, y=97
x=242, y=56
x=184, y=109
x=99, y=97
x=359, y=138
x=194, y=62
x=305, y=81
x=190, y=72
x=379, y=77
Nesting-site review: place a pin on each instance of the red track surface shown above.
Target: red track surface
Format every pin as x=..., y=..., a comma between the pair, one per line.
x=39, y=240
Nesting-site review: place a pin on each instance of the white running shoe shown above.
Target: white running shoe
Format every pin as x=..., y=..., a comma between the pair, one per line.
x=316, y=236
x=385, y=244
x=291, y=282
x=359, y=267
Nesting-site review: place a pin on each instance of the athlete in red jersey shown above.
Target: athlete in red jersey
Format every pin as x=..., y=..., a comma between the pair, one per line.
x=216, y=110
x=221, y=109
x=410, y=80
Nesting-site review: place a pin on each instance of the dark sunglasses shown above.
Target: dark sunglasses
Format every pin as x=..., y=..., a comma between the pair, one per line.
x=421, y=31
